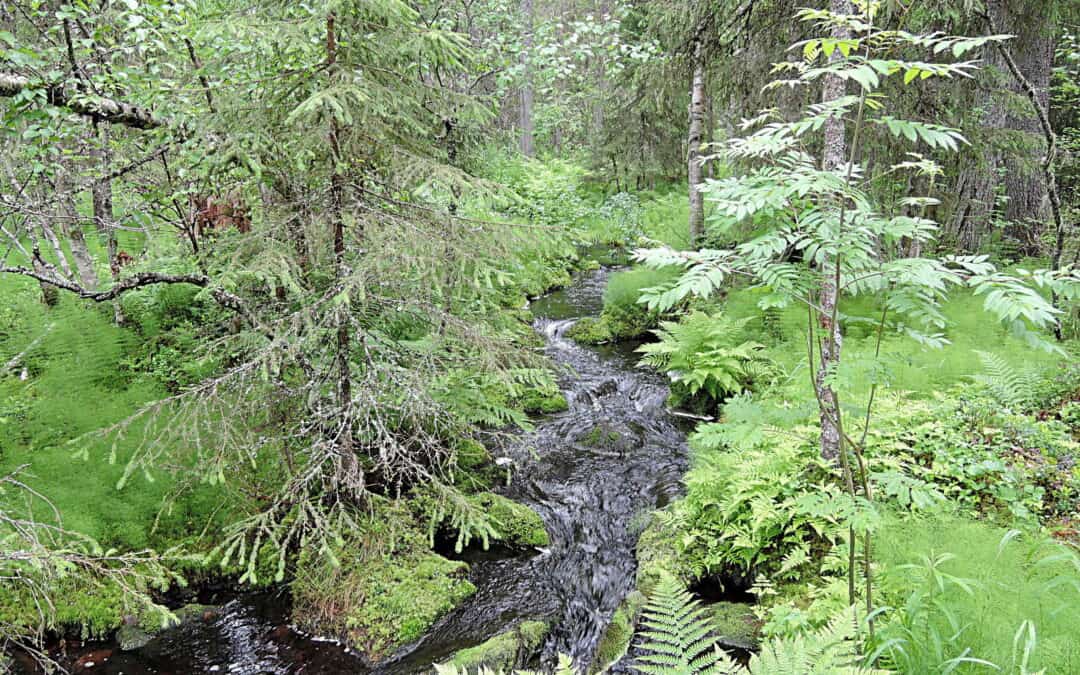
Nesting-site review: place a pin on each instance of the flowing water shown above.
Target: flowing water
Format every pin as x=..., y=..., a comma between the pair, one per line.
x=593, y=473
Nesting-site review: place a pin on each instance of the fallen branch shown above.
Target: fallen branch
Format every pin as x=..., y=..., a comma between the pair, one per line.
x=68, y=96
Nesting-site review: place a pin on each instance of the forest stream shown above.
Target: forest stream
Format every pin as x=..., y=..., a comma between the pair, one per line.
x=593, y=473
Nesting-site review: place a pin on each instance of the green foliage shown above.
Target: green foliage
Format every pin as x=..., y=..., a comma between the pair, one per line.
x=1009, y=386
x=676, y=635
x=701, y=354
x=964, y=592
x=749, y=504
x=831, y=649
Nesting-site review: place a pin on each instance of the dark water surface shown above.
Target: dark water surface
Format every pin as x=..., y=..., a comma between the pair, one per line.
x=593, y=473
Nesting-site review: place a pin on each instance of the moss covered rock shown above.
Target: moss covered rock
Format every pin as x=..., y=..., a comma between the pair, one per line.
x=606, y=438
x=537, y=401
x=516, y=524
x=656, y=557
x=474, y=467
x=613, y=324
x=505, y=651
x=377, y=598
x=615, y=641
x=591, y=331
x=736, y=624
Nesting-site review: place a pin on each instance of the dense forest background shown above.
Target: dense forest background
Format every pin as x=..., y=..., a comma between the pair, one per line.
x=265, y=280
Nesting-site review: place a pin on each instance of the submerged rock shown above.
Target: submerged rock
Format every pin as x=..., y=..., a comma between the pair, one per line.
x=135, y=633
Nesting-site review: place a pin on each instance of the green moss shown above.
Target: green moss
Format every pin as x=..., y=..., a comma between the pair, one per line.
x=736, y=624
x=504, y=651
x=378, y=598
x=474, y=468
x=517, y=524
x=615, y=641
x=590, y=331
x=613, y=326
x=657, y=556
x=536, y=401
x=602, y=437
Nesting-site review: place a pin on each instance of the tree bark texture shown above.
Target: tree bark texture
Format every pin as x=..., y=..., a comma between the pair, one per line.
x=693, y=141
x=833, y=159
x=1010, y=164
x=103, y=210
x=85, y=273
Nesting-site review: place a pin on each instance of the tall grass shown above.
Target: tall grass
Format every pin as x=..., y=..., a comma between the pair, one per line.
x=72, y=381
x=965, y=589
x=624, y=288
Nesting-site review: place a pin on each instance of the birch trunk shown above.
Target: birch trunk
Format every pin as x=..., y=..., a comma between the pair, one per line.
x=694, y=139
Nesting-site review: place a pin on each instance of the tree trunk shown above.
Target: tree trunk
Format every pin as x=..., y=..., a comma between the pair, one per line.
x=73, y=228
x=710, y=126
x=833, y=159
x=1015, y=174
x=103, y=210
x=1033, y=51
x=58, y=250
x=348, y=474
x=525, y=119
x=1039, y=104
x=694, y=138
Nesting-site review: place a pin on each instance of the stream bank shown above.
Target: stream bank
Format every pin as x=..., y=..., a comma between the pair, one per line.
x=593, y=472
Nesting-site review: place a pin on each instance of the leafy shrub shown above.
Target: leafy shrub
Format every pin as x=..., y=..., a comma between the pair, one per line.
x=617, y=221
x=548, y=190
x=987, y=458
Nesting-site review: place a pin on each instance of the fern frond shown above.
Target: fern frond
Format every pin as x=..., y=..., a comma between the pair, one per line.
x=1011, y=387
x=678, y=640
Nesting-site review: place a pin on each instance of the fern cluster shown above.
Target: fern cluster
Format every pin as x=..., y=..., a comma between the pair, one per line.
x=702, y=354
x=678, y=638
